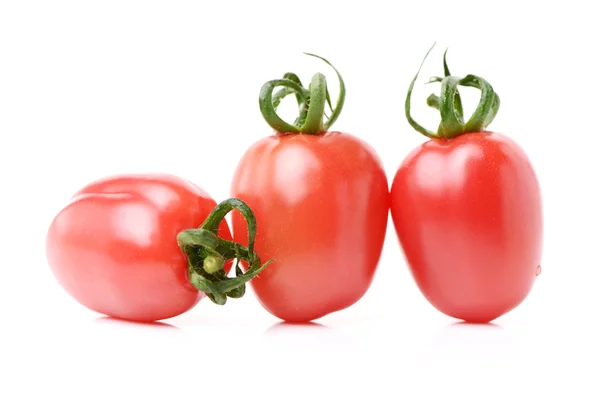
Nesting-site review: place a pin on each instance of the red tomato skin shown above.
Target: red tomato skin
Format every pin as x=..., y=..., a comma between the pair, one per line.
x=468, y=216
x=321, y=204
x=114, y=248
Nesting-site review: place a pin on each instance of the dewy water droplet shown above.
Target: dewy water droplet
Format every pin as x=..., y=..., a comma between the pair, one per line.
x=538, y=270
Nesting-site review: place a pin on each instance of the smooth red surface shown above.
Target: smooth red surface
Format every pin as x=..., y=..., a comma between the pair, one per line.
x=468, y=215
x=321, y=204
x=114, y=246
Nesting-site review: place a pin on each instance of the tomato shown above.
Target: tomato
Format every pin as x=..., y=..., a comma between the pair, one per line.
x=467, y=210
x=322, y=201
x=468, y=214
x=114, y=246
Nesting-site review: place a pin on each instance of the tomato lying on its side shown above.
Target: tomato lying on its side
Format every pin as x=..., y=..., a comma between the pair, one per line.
x=322, y=201
x=466, y=206
x=117, y=246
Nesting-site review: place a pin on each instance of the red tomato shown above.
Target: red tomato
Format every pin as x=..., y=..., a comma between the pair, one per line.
x=322, y=204
x=467, y=208
x=468, y=215
x=114, y=248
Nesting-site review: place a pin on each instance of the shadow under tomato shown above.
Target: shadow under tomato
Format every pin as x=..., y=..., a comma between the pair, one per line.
x=474, y=325
x=126, y=323
x=309, y=338
x=284, y=327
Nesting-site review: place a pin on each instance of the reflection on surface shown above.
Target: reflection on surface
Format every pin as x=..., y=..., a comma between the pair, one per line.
x=294, y=165
x=471, y=325
x=286, y=327
x=308, y=338
x=106, y=320
x=470, y=341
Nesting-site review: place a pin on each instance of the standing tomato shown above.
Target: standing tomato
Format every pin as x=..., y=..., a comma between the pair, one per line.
x=126, y=246
x=322, y=201
x=466, y=206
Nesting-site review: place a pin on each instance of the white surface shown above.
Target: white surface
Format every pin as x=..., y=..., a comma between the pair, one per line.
x=89, y=89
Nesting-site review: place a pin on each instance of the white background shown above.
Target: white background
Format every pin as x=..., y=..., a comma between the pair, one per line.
x=94, y=88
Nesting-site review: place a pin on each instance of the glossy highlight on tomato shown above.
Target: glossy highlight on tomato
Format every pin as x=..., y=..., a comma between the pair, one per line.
x=467, y=209
x=321, y=198
x=114, y=248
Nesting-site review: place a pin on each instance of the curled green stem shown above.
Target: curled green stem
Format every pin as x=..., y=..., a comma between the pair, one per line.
x=311, y=102
x=207, y=254
x=449, y=104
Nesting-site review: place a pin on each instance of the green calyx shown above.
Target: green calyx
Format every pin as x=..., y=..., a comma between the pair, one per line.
x=449, y=104
x=207, y=253
x=311, y=102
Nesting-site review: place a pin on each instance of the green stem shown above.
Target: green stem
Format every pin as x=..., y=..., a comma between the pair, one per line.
x=488, y=104
x=341, y=97
x=410, y=119
x=451, y=121
x=265, y=101
x=311, y=103
x=207, y=253
x=316, y=107
x=284, y=92
x=449, y=104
